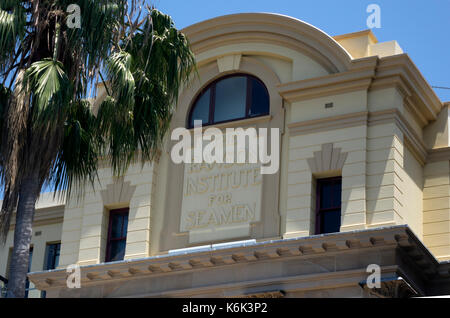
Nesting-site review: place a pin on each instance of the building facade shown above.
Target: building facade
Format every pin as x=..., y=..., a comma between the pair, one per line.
x=363, y=179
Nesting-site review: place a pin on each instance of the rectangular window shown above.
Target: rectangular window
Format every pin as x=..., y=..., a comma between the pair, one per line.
x=328, y=217
x=52, y=256
x=51, y=259
x=117, y=235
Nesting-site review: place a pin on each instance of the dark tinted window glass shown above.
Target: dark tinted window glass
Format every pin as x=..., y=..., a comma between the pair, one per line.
x=260, y=100
x=326, y=196
x=329, y=192
x=231, y=99
x=337, y=194
x=117, y=235
x=116, y=225
x=52, y=259
x=117, y=251
x=331, y=222
x=125, y=225
x=201, y=109
x=330, y=196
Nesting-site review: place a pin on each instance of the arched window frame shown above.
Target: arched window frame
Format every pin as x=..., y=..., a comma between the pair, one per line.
x=212, y=100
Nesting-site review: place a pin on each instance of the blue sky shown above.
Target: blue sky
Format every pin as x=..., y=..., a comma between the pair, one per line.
x=420, y=27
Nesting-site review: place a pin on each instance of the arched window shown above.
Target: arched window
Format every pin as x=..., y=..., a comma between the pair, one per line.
x=230, y=98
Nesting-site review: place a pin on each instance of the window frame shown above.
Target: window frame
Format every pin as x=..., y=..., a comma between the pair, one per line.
x=212, y=100
x=123, y=212
x=319, y=210
x=48, y=246
x=46, y=266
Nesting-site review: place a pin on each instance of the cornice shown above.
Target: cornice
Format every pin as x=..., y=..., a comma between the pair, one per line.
x=344, y=278
x=239, y=123
x=400, y=71
x=440, y=154
x=218, y=31
x=418, y=116
x=412, y=140
x=305, y=248
x=358, y=78
x=262, y=37
x=372, y=74
x=329, y=123
x=357, y=34
x=44, y=216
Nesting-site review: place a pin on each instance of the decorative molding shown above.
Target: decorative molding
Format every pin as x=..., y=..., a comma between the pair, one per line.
x=328, y=159
x=419, y=155
x=373, y=74
x=396, y=237
x=44, y=216
x=118, y=193
x=392, y=81
x=436, y=155
x=359, y=78
x=416, y=114
x=393, y=288
x=328, y=123
x=399, y=71
x=229, y=63
x=239, y=123
x=411, y=140
x=368, y=33
x=269, y=28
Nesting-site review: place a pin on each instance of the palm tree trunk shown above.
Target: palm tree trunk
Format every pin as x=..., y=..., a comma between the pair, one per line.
x=28, y=194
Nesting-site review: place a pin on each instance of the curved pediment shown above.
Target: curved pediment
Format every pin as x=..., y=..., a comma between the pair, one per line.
x=284, y=31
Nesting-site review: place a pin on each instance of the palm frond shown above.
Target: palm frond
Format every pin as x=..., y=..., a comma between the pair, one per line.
x=99, y=26
x=15, y=111
x=51, y=90
x=121, y=79
x=78, y=156
x=12, y=29
x=116, y=127
x=145, y=78
x=5, y=95
x=171, y=63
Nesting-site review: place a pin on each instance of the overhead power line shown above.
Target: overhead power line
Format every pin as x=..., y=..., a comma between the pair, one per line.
x=441, y=87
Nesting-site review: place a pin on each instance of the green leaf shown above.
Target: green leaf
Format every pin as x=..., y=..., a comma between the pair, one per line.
x=119, y=72
x=79, y=153
x=12, y=28
x=50, y=87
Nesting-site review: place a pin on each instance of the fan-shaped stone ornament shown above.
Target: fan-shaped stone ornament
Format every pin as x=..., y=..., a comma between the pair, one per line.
x=119, y=192
x=328, y=159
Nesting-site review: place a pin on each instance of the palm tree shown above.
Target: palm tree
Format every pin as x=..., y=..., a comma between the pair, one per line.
x=49, y=134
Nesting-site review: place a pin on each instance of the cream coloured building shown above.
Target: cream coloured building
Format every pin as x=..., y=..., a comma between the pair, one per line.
x=364, y=178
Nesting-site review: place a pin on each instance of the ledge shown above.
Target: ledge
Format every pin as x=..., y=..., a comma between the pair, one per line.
x=238, y=123
x=440, y=154
x=295, y=248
